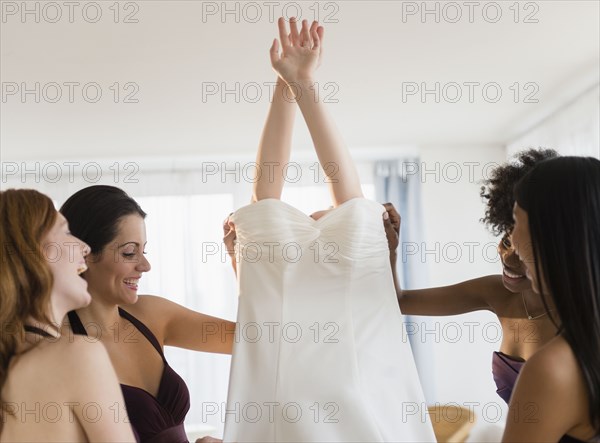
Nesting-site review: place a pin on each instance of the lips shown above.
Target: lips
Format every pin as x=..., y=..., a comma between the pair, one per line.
x=513, y=275
x=132, y=283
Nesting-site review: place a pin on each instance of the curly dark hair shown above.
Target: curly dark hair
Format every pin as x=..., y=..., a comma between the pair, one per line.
x=497, y=190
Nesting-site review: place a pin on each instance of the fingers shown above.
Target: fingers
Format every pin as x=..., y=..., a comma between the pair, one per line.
x=318, y=39
x=294, y=31
x=283, y=35
x=229, y=242
x=229, y=236
x=316, y=35
x=305, y=36
x=393, y=215
x=227, y=223
x=313, y=27
x=321, y=33
x=274, y=52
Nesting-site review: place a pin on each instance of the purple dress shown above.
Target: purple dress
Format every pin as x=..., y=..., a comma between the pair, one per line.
x=505, y=370
x=153, y=419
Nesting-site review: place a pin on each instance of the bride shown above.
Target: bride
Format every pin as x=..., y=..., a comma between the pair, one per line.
x=320, y=354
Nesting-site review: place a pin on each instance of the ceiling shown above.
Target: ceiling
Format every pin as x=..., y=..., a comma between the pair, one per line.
x=179, y=51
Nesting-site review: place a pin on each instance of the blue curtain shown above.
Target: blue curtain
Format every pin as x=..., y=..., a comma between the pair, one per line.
x=399, y=182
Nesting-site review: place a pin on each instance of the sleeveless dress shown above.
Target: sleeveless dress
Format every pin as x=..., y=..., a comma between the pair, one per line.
x=321, y=353
x=505, y=370
x=153, y=419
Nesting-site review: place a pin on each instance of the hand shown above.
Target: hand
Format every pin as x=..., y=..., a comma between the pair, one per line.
x=229, y=236
x=208, y=439
x=391, y=223
x=301, y=52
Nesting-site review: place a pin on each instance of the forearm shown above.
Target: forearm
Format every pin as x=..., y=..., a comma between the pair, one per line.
x=333, y=155
x=397, y=287
x=275, y=144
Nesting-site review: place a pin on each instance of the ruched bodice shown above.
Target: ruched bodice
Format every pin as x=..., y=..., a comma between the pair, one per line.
x=321, y=352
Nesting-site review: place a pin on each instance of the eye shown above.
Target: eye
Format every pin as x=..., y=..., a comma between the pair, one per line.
x=128, y=254
x=506, y=242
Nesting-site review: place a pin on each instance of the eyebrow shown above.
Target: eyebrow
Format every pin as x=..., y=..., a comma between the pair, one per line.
x=131, y=243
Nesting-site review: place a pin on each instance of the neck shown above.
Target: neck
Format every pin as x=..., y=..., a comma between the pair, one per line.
x=534, y=301
x=534, y=305
x=99, y=315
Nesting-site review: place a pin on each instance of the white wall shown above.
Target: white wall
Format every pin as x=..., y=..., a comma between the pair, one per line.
x=460, y=347
x=574, y=129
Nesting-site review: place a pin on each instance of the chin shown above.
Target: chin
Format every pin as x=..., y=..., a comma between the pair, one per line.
x=129, y=299
x=516, y=285
x=86, y=300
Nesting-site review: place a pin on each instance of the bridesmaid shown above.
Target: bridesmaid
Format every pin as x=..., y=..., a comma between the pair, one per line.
x=53, y=387
x=135, y=328
x=557, y=236
x=524, y=319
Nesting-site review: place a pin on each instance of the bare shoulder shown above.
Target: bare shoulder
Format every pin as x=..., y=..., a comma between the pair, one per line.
x=149, y=303
x=76, y=354
x=489, y=288
x=555, y=362
x=68, y=362
x=496, y=293
x=555, y=365
x=154, y=311
x=550, y=379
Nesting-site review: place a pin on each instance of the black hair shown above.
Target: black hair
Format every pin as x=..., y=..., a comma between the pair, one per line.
x=497, y=189
x=562, y=199
x=94, y=214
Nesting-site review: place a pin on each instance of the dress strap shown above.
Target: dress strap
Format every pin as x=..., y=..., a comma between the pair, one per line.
x=143, y=329
x=38, y=331
x=76, y=324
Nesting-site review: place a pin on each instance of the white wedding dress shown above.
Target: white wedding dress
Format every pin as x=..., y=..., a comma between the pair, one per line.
x=321, y=352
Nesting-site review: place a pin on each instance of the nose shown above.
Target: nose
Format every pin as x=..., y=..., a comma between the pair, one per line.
x=509, y=256
x=143, y=264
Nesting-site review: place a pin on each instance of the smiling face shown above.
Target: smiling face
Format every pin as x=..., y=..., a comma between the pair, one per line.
x=513, y=269
x=114, y=274
x=65, y=255
x=521, y=238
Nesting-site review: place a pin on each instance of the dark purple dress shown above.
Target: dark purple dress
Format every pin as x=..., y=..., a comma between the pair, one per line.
x=505, y=370
x=153, y=419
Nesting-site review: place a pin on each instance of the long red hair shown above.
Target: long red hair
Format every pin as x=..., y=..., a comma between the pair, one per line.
x=26, y=216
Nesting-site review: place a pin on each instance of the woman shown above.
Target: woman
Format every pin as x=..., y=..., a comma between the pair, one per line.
x=135, y=329
x=323, y=358
x=557, y=236
x=53, y=387
x=524, y=319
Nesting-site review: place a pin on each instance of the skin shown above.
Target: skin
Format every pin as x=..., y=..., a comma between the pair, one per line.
x=550, y=380
x=302, y=52
x=499, y=294
x=68, y=364
x=112, y=278
x=112, y=281
x=296, y=65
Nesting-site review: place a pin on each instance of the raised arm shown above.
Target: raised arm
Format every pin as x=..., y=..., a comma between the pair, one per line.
x=275, y=143
x=467, y=296
x=276, y=140
x=296, y=66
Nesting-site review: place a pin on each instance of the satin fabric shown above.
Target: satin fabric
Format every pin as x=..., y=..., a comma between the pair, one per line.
x=321, y=352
